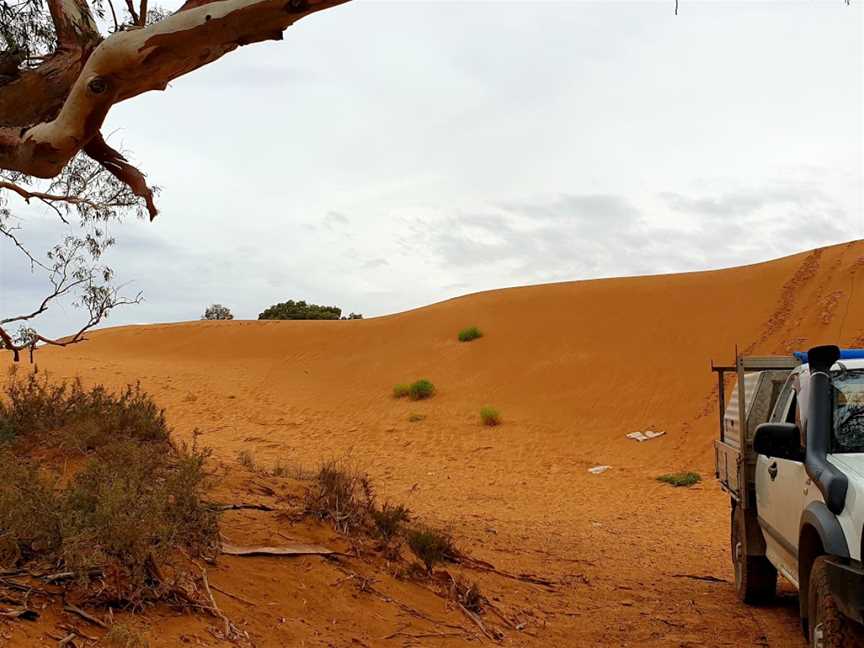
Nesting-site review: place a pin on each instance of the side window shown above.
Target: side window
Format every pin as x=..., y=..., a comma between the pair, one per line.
x=792, y=410
x=782, y=407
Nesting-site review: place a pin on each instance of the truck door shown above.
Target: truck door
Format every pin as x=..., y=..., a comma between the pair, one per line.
x=780, y=493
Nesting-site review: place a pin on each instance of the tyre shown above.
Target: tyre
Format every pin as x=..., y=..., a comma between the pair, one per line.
x=755, y=576
x=828, y=627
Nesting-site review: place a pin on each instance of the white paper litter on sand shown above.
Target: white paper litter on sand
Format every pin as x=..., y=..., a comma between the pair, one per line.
x=596, y=470
x=647, y=435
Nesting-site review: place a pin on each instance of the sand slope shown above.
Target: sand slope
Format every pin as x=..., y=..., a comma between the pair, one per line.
x=573, y=367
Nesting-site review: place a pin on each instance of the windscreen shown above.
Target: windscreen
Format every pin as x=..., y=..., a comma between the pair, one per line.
x=848, y=425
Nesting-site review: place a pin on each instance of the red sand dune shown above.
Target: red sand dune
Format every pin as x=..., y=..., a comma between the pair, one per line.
x=572, y=367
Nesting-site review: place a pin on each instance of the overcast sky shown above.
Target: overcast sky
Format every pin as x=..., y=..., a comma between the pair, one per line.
x=387, y=155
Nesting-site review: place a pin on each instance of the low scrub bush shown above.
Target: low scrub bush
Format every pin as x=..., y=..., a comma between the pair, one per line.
x=389, y=519
x=681, y=479
x=490, y=416
x=125, y=513
x=343, y=496
x=67, y=414
x=431, y=546
x=421, y=389
x=401, y=391
x=470, y=333
x=120, y=511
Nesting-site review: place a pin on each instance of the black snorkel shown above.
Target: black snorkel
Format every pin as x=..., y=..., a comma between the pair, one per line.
x=831, y=482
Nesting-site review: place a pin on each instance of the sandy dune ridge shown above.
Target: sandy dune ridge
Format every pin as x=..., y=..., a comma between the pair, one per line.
x=573, y=368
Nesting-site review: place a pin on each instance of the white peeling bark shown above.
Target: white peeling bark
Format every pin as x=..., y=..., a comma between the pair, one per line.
x=131, y=62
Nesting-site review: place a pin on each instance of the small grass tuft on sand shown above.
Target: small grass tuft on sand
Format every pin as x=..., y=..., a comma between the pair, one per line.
x=401, y=390
x=246, y=459
x=490, y=416
x=470, y=333
x=389, y=519
x=416, y=418
x=431, y=546
x=681, y=479
x=421, y=390
x=343, y=496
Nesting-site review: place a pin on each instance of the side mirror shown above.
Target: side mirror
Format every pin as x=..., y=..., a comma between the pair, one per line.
x=780, y=440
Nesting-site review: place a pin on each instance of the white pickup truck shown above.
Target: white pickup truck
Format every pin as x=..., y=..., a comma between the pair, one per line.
x=791, y=457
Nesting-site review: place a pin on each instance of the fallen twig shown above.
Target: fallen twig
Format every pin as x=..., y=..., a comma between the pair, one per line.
x=482, y=565
x=22, y=613
x=493, y=634
x=234, y=596
x=67, y=640
x=215, y=609
x=424, y=635
x=87, y=617
x=51, y=578
x=510, y=624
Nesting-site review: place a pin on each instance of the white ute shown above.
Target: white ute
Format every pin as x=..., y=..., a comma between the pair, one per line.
x=791, y=457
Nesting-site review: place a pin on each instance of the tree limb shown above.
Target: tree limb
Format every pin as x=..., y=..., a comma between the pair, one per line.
x=73, y=23
x=118, y=166
x=28, y=195
x=135, y=61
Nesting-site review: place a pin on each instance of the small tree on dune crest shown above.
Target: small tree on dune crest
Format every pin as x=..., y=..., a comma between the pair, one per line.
x=217, y=312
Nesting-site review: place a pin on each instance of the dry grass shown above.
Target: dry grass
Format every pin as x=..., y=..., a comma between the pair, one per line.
x=490, y=416
x=431, y=546
x=389, y=519
x=118, y=503
x=123, y=636
x=246, y=459
x=65, y=414
x=343, y=496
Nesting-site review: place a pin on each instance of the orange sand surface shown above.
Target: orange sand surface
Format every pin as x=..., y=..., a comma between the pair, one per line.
x=572, y=367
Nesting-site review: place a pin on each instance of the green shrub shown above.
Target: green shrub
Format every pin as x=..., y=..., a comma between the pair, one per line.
x=401, y=390
x=421, y=389
x=30, y=512
x=432, y=547
x=470, y=333
x=122, y=512
x=131, y=507
x=300, y=310
x=490, y=416
x=7, y=430
x=685, y=479
x=69, y=415
x=217, y=312
x=389, y=519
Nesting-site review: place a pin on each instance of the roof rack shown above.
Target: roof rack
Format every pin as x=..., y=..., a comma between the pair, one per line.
x=845, y=354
